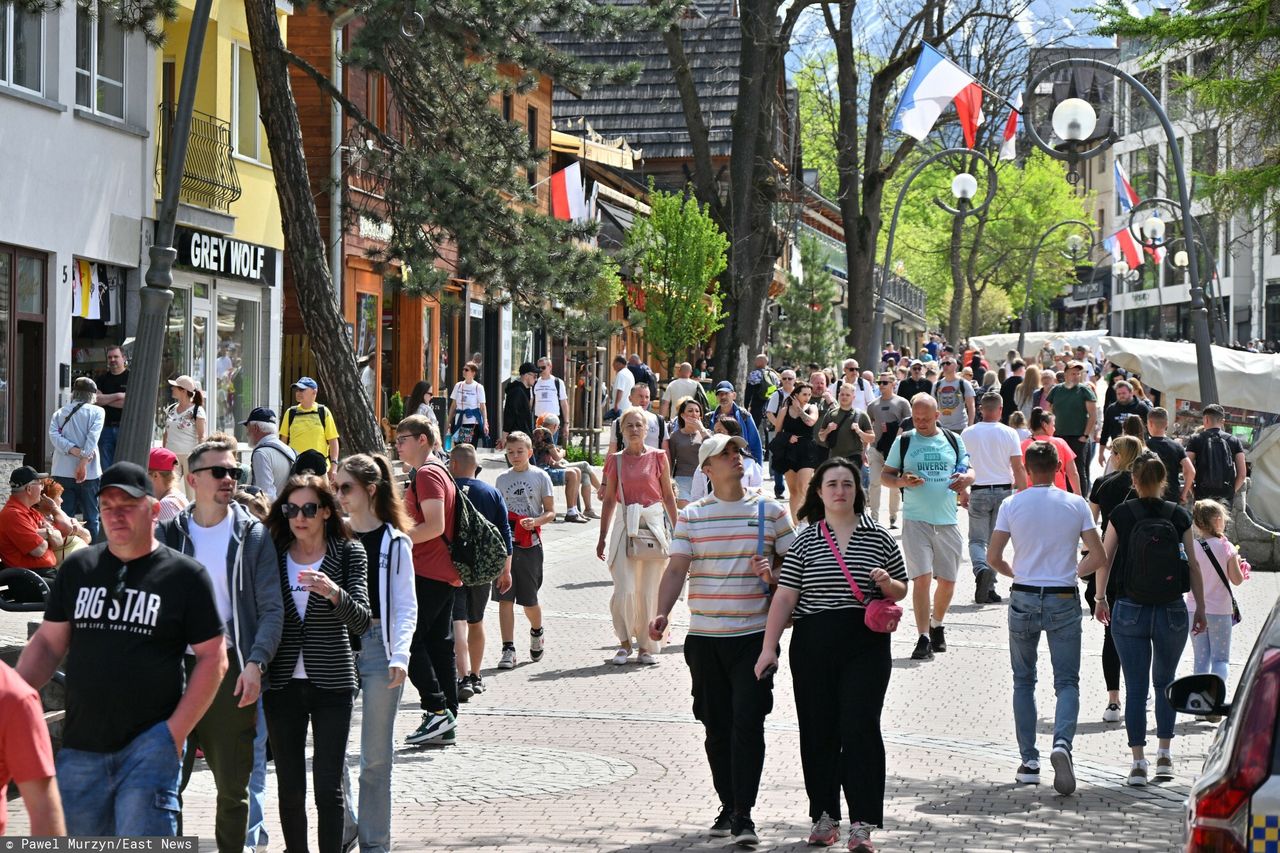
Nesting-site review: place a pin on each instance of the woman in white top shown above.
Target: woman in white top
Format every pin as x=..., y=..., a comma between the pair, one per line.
x=467, y=408
x=186, y=423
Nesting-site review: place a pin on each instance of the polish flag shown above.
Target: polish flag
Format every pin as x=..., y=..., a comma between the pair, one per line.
x=1123, y=246
x=568, y=200
x=936, y=82
x=1009, y=148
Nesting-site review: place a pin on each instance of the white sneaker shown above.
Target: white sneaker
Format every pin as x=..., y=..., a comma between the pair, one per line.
x=620, y=657
x=1138, y=774
x=647, y=659
x=1164, y=764
x=1064, y=773
x=1112, y=714
x=508, y=659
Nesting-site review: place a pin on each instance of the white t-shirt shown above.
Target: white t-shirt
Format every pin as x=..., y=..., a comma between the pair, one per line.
x=1044, y=554
x=991, y=445
x=775, y=402
x=468, y=395
x=678, y=389
x=622, y=381
x=210, y=545
x=547, y=394
x=300, y=596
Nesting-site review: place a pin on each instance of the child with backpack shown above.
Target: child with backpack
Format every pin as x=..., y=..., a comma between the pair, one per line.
x=1221, y=566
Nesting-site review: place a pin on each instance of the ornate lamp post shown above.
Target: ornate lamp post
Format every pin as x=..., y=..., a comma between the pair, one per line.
x=964, y=187
x=1074, y=120
x=1074, y=249
x=1179, y=249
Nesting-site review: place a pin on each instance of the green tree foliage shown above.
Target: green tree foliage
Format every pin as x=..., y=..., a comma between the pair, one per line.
x=679, y=253
x=813, y=330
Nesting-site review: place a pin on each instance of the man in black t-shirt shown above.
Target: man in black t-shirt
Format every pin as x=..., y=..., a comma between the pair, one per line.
x=914, y=384
x=111, y=393
x=1173, y=456
x=1114, y=416
x=1209, y=441
x=123, y=613
x=1017, y=370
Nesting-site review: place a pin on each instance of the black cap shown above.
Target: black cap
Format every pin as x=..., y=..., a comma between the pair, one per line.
x=528, y=367
x=24, y=476
x=310, y=461
x=260, y=415
x=129, y=478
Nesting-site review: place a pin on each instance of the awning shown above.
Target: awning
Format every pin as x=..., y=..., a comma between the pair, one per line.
x=1246, y=380
x=998, y=345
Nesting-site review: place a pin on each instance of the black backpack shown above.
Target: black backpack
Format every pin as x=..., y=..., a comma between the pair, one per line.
x=1156, y=570
x=643, y=374
x=289, y=414
x=1216, y=467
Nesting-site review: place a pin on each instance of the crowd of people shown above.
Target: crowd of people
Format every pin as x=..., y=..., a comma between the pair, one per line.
x=233, y=608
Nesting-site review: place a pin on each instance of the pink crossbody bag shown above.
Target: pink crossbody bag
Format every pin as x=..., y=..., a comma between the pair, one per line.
x=880, y=614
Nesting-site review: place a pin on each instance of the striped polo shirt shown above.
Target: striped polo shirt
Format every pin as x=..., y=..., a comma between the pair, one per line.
x=725, y=598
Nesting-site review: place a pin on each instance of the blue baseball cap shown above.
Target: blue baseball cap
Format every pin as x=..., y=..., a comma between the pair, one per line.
x=260, y=415
x=306, y=382
x=724, y=386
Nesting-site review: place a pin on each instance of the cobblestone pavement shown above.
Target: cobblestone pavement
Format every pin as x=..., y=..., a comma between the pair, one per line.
x=574, y=754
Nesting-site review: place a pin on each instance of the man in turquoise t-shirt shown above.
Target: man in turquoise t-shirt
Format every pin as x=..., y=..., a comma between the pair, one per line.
x=935, y=470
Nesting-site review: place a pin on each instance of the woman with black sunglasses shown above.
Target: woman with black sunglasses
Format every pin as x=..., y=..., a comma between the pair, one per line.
x=313, y=676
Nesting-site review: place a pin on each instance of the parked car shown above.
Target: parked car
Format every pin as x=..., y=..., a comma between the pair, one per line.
x=1234, y=807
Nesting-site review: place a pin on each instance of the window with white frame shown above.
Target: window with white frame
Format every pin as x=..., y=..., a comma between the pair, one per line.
x=99, y=60
x=21, y=48
x=248, y=136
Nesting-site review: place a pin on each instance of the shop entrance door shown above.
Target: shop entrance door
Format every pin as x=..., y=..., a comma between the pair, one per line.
x=28, y=375
x=202, y=356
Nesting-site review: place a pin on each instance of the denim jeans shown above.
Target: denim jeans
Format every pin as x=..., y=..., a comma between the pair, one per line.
x=876, y=463
x=257, y=834
x=983, y=505
x=1212, y=649
x=1150, y=639
x=107, y=445
x=377, y=744
x=81, y=498
x=130, y=792
x=1058, y=616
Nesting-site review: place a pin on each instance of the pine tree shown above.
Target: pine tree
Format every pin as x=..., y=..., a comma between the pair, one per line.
x=812, y=330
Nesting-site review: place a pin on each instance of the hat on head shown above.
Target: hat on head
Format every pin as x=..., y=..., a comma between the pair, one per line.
x=260, y=415
x=724, y=386
x=528, y=367
x=186, y=383
x=24, y=476
x=128, y=478
x=306, y=382
x=716, y=444
x=312, y=461
x=162, y=459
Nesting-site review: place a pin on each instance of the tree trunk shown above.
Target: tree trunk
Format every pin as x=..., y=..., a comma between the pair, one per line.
x=975, y=304
x=335, y=360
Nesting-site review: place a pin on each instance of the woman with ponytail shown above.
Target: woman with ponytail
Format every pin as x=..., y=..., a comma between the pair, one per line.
x=1042, y=429
x=378, y=519
x=186, y=424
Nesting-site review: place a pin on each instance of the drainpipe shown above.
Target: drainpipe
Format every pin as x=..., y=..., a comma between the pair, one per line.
x=336, y=172
x=1257, y=325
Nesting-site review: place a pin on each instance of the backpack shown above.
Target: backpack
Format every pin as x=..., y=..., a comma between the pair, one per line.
x=951, y=440
x=1156, y=570
x=642, y=373
x=1216, y=470
x=477, y=550
x=293, y=410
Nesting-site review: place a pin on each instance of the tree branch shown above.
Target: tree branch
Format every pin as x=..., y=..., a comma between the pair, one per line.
x=326, y=86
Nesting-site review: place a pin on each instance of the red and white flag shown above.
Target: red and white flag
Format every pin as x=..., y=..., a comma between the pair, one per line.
x=568, y=199
x=1009, y=147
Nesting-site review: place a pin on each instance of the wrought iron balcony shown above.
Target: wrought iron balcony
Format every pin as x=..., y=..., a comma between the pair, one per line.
x=209, y=177
x=903, y=293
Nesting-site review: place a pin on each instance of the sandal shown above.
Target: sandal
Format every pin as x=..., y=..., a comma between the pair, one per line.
x=620, y=657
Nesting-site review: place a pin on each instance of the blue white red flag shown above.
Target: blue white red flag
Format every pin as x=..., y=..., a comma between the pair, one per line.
x=936, y=82
x=1124, y=190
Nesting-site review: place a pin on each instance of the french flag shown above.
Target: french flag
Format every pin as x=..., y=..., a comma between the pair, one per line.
x=1009, y=148
x=1123, y=247
x=1124, y=190
x=938, y=81
x=568, y=199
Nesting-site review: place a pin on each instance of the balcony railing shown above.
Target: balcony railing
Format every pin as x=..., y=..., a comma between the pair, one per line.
x=903, y=293
x=209, y=177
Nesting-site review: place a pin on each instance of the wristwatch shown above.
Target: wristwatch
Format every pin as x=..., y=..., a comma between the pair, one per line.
x=262, y=667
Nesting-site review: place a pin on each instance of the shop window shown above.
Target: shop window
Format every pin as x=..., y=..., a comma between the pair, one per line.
x=23, y=422
x=247, y=133
x=21, y=48
x=1271, y=318
x=99, y=60
x=173, y=361
x=236, y=378
x=532, y=129
x=30, y=285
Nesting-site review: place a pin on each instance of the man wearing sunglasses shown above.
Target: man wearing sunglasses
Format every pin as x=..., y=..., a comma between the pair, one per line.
x=915, y=383
x=955, y=397
x=239, y=557
x=864, y=392
x=122, y=614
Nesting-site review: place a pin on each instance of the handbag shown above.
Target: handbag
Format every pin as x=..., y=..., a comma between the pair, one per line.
x=880, y=614
x=643, y=544
x=1217, y=567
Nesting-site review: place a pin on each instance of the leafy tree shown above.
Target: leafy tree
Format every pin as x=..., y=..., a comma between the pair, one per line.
x=679, y=253
x=813, y=331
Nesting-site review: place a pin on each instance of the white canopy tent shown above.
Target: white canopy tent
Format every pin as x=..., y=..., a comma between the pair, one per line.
x=997, y=345
x=1246, y=380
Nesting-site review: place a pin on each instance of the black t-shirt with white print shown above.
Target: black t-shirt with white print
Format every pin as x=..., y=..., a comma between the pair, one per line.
x=124, y=668
x=811, y=569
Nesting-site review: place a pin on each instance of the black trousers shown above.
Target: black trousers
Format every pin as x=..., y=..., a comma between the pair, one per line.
x=288, y=712
x=731, y=704
x=840, y=669
x=1110, y=657
x=1081, y=445
x=431, y=665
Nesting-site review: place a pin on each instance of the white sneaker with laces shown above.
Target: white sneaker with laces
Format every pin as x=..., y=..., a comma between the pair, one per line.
x=1112, y=714
x=1138, y=773
x=1164, y=764
x=647, y=659
x=508, y=659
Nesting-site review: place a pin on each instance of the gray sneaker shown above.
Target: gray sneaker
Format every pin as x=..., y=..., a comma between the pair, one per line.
x=508, y=659
x=536, y=644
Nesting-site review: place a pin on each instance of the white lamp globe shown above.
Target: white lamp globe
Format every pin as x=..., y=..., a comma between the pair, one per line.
x=1153, y=228
x=1074, y=119
x=1075, y=245
x=1180, y=259
x=1121, y=268
x=964, y=186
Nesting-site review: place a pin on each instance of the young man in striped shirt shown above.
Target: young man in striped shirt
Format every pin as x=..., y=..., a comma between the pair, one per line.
x=729, y=545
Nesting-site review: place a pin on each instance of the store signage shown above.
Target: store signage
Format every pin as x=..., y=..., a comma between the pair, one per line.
x=1140, y=298
x=1087, y=290
x=476, y=309
x=224, y=256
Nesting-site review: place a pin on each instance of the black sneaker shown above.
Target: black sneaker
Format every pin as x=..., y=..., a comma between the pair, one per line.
x=743, y=830
x=477, y=684
x=464, y=689
x=1028, y=773
x=923, y=650
x=937, y=639
x=984, y=586
x=723, y=826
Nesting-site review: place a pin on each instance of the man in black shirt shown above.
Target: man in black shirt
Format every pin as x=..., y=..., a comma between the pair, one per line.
x=111, y=392
x=1172, y=455
x=1017, y=370
x=1114, y=416
x=517, y=404
x=1211, y=440
x=123, y=613
x=915, y=383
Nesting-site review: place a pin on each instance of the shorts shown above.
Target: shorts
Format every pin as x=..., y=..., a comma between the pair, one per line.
x=684, y=488
x=932, y=549
x=469, y=602
x=526, y=577
x=556, y=475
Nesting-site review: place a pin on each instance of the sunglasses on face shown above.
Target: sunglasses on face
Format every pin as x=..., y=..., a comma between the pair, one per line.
x=884, y=383
x=308, y=510
x=222, y=472
x=346, y=489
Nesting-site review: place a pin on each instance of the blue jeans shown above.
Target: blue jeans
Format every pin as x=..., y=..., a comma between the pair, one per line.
x=1057, y=615
x=1212, y=649
x=983, y=505
x=81, y=498
x=257, y=834
x=377, y=745
x=130, y=792
x=107, y=445
x=1149, y=639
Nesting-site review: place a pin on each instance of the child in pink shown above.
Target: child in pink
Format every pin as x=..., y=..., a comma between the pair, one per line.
x=1220, y=567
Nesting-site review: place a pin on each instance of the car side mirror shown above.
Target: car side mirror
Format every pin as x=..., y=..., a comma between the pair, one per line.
x=1202, y=695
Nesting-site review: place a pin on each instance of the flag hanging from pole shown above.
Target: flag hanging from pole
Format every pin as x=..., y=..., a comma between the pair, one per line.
x=936, y=82
x=1123, y=247
x=1009, y=148
x=568, y=200
x=1124, y=190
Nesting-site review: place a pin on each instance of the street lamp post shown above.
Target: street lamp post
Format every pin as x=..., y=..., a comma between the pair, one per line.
x=964, y=187
x=1074, y=120
x=1151, y=235
x=1075, y=249
x=137, y=422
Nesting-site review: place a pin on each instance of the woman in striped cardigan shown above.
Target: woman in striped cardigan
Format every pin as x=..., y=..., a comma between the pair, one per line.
x=313, y=676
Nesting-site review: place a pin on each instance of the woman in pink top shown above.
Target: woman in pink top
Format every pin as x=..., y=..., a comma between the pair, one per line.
x=1067, y=478
x=638, y=477
x=1212, y=647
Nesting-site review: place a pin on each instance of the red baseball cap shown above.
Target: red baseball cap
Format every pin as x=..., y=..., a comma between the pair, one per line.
x=162, y=459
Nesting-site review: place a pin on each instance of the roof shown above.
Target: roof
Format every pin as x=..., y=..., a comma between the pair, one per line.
x=648, y=112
